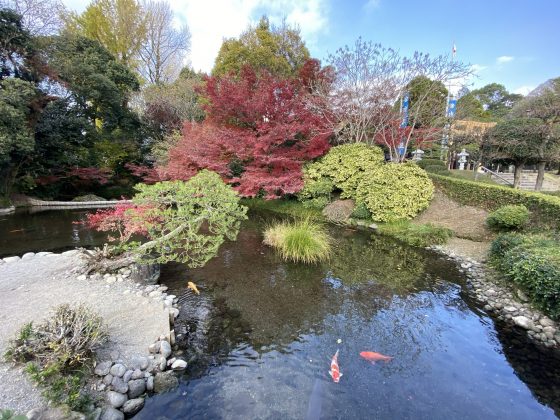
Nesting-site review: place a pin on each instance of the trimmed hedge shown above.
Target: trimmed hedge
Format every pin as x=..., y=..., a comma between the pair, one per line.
x=545, y=209
x=532, y=263
x=510, y=217
x=424, y=163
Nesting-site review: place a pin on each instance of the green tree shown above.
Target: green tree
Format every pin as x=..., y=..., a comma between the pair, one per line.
x=515, y=141
x=544, y=106
x=470, y=108
x=119, y=25
x=17, y=48
x=495, y=99
x=278, y=50
x=427, y=101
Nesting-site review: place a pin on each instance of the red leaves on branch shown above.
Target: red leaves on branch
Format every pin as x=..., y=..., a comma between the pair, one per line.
x=258, y=134
x=78, y=176
x=148, y=174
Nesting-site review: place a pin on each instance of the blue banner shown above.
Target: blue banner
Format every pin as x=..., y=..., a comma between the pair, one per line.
x=451, y=108
x=404, y=110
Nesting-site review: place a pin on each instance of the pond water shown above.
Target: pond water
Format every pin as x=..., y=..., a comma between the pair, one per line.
x=260, y=336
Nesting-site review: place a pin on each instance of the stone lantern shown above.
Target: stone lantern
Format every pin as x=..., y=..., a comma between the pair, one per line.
x=462, y=159
x=417, y=154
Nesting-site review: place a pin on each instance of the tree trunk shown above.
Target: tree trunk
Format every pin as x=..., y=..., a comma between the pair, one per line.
x=517, y=175
x=540, y=176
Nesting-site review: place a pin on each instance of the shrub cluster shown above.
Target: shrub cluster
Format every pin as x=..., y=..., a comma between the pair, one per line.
x=59, y=351
x=545, y=209
x=510, y=217
x=395, y=191
x=382, y=192
x=416, y=235
x=532, y=263
x=299, y=241
x=425, y=163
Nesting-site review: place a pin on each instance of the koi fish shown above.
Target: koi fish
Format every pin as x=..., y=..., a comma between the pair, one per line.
x=335, y=371
x=373, y=357
x=193, y=287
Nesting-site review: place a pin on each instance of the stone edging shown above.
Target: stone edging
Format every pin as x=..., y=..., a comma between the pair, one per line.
x=499, y=300
x=7, y=210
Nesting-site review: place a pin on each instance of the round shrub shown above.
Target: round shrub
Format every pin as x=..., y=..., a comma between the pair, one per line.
x=343, y=166
x=361, y=212
x=504, y=243
x=395, y=191
x=511, y=217
x=436, y=169
x=424, y=163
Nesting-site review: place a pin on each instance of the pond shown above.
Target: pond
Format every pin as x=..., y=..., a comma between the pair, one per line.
x=260, y=336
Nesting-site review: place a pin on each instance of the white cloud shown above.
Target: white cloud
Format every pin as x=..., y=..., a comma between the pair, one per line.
x=524, y=90
x=210, y=21
x=477, y=68
x=504, y=59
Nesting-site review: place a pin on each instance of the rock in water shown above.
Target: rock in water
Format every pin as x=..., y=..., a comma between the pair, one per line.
x=136, y=388
x=165, y=349
x=179, y=365
x=523, y=322
x=132, y=407
x=165, y=381
x=110, y=413
x=116, y=399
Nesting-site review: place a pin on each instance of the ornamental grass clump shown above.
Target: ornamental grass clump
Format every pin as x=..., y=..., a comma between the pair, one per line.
x=299, y=241
x=511, y=217
x=59, y=352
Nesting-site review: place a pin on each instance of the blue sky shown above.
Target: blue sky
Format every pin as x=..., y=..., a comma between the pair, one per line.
x=514, y=42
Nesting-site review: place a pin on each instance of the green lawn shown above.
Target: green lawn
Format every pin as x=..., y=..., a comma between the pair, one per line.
x=470, y=175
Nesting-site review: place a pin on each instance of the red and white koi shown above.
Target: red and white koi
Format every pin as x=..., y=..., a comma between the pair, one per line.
x=335, y=371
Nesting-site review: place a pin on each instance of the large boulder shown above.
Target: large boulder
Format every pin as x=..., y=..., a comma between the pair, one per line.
x=339, y=211
x=165, y=381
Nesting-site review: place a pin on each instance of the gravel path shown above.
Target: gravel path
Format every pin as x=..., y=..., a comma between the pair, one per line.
x=31, y=287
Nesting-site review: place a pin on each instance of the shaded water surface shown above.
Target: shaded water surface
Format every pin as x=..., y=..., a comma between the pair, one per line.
x=47, y=230
x=260, y=337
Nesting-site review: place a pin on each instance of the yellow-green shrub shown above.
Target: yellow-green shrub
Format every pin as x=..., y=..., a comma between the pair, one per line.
x=395, y=191
x=341, y=168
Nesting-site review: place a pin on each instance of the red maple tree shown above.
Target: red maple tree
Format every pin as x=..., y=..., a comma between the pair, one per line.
x=258, y=133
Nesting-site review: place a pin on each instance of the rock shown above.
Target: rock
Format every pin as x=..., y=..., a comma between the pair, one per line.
x=523, y=322
x=160, y=362
x=522, y=296
x=103, y=368
x=150, y=384
x=154, y=294
x=133, y=406
x=110, y=413
x=42, y=253
x=119, y=385
x=81, y=277
x=27, y=255
x=140, y=363
x=136, y=388
x=165, y=381
x=118, y=369
x=339, y=211
x=115, y=399
x=137, y=374
x=111, y=279
x=491, y=292
x=53, y=413
x=127, y=375
x=171, y=361
x=510, y=309
x=11, y=259
x=108, y=379
x=154, y=348
x=70, y=253
x=165, y=349
x=546, y=322
x=173, y=313
x=179, y=365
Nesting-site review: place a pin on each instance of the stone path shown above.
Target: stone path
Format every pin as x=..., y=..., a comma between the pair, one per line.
x=30, y=287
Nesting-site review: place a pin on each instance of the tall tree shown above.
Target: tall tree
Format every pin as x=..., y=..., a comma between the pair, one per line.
x=40, y=17
x=165, y=47
x=544, y=106
x=278, y=50
x=370, y=77
x=470, y=108
x=427, y=101
x=496, y=100
x=119, y=25
x=258, y=133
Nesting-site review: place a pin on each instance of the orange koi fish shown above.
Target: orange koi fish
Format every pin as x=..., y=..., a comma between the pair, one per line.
x=193, y=287
x=373, y=357
x=335, y=371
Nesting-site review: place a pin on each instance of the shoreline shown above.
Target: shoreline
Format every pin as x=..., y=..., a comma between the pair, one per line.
x=135, y=362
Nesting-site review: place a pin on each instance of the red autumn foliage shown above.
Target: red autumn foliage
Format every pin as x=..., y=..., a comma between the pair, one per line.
x=258, y=134
x=148, y=174
x=124, y=219
x=78, y=176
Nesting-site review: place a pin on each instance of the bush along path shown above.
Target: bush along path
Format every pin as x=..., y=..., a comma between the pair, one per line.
x=127, y=367
x=504, y=302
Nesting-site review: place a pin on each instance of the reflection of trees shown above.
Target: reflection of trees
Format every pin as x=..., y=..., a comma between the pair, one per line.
x=537, y=366
x=380, y=261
